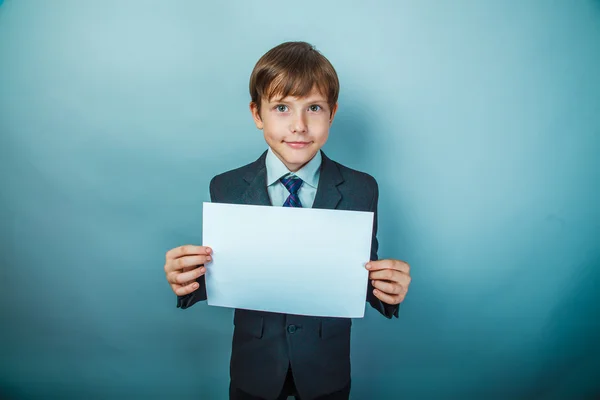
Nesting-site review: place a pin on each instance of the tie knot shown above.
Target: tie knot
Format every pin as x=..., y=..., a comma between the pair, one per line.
x=292, y=184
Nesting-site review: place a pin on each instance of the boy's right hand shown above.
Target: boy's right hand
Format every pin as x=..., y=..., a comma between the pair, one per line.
x=183, y=266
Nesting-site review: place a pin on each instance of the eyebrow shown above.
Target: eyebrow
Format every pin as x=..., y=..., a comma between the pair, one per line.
x=309, y=100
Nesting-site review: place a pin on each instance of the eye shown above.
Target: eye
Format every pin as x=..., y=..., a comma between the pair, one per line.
x=281, y=108
x=314, y=108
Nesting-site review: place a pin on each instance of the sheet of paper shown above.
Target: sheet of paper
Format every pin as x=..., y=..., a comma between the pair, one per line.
x=288, y=260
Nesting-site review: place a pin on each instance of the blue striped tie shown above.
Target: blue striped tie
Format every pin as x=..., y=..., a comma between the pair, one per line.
x=292, y=184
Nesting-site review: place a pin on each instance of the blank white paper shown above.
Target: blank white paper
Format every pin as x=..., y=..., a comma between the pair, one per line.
x=301, y=261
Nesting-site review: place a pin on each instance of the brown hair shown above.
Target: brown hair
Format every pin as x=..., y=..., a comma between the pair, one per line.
x=293, y=69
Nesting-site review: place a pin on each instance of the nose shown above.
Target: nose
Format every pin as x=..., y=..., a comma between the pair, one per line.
x=299, y=124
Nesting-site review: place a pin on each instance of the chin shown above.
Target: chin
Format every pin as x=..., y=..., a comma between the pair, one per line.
x=299, y=158
x=296, y=160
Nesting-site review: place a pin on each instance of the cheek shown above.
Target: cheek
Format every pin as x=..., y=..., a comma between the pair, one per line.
x=269, y=137
x=273, y=136
x=271, y=129
x=323, y=137
x=321, y=131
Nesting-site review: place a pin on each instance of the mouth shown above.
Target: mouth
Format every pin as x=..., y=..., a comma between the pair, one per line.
x=298, y=145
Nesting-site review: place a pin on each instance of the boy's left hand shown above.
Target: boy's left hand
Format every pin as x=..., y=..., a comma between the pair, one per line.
x=390, y=279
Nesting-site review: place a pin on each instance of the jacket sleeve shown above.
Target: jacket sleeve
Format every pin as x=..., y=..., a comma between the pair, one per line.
x=199, y=294
x=388, y=310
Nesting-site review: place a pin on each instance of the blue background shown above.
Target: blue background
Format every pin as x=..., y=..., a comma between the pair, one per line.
x=480, y=120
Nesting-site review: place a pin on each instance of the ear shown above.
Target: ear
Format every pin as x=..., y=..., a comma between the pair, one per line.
x=333, y=111
x=256, y=115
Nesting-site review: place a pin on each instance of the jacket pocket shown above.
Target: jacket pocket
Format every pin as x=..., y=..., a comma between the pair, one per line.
x=331, y=327
x=248, y=322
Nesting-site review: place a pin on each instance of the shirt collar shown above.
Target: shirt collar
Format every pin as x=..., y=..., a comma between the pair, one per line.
x=309, y=173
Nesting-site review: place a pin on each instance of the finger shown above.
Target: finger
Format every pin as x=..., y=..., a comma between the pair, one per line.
x=386, y=298
x=386, y=275
x=187, y=289
x=187, y=250
x=183, y=278
x=387, y=287
x=404, y=281
x=187, y=261
x=388, y=264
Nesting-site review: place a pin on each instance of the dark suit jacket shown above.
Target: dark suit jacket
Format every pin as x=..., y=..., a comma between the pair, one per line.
x=265, y=343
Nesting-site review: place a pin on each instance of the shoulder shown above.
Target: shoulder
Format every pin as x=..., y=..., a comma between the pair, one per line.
x=359, y=190
x=232, y=181
x=233, y=175
x=356, y=178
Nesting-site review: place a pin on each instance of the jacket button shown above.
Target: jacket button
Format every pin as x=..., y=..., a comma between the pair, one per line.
x=291, y=328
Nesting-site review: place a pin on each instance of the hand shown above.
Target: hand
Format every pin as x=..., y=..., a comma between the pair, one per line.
x=391, y=279
x=183, y=267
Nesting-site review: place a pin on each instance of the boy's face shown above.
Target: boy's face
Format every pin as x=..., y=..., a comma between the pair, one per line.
x=295, y=127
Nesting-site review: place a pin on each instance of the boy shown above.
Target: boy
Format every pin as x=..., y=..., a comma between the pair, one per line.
x=294, y=91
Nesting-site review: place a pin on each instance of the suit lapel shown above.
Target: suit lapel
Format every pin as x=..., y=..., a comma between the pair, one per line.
x=256, y=178
x=328, y=195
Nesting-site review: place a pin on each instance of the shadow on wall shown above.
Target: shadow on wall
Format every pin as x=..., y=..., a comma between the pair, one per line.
x=348, y=138
x=573, y=329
